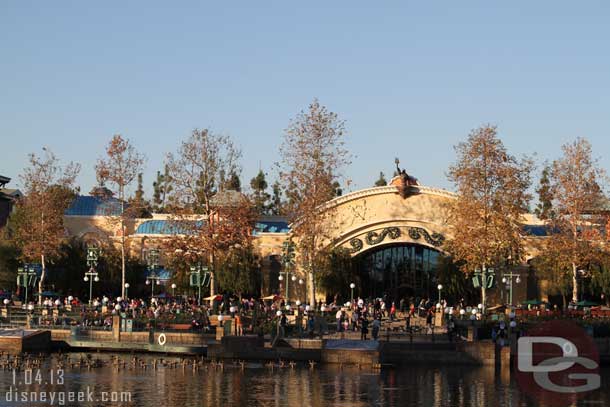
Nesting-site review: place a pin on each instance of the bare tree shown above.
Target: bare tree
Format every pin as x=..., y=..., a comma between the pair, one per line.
x=210, y=222
x=313, y=154
x=120, y=168
x=38, y=223
x=492, y=196
x=576, y=187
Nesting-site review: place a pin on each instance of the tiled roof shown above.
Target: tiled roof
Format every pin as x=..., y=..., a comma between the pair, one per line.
x=94, y=206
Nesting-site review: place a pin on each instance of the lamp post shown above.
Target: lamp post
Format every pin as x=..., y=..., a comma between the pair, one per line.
x=152, y=280
x=93, y=255
x=352, y=286
x=196, y=280
x=91, y=276
x=288, y=256
x=301, y=285
x=24, y=275
x=152, y=259
x=173, y=289
x=508, y=280
x=483, y=278
x=440, y=290
x=126, y=290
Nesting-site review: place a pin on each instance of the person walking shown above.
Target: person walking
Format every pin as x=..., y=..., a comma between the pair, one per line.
x=429, y=318
x=364, y=328
x=339, y=318
x=376, y=328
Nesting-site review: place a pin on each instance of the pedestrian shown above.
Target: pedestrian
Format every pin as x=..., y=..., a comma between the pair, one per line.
x=364, y=330
x=283, y=321
x=339, y=318
x=429, y=318
x=376, y=327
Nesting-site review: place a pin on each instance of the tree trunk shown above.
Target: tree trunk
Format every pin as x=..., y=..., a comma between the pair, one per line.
x=42, y=277
x=483, y=288
x=123, y=259
x=574, y=283
x=311, y=287
x=212, y=279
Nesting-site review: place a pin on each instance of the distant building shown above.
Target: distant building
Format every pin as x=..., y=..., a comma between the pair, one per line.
x=8, y=197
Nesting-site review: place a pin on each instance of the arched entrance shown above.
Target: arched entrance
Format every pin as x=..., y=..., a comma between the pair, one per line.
x=404, y=270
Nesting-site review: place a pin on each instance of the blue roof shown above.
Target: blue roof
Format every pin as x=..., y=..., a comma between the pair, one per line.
x=536, y=230
x=160, y=273
x=164, y=227
x=270, y=227
x=94, y=206
x=167, y=227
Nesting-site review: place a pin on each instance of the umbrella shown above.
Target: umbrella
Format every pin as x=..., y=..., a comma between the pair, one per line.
x=213, y=297
x=272, y=297
x=586, y=303
x=533, y=302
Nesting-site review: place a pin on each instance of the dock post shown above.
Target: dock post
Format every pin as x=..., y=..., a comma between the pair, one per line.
x=116, y=328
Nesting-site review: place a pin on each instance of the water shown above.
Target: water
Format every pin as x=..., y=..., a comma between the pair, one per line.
x=259, y=385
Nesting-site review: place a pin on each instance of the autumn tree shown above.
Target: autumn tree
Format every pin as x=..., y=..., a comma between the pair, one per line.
x=381, y=181
x=576, y=181
x=492, y=196
x=209, y=222
x=313, y=155
x=119, y=169
x=260, y=197
x=37, y=224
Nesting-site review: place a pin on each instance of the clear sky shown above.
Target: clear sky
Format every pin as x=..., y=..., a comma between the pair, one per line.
x=411, y=78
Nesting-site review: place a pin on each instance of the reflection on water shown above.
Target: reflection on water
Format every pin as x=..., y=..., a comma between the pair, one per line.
x=259, y=385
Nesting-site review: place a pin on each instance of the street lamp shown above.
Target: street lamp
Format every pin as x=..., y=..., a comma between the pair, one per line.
x=508, y=280
x=173, y=289
x=288, y=256
x=93, y=255
x=152, y=281
x=483, y=278
x=352, y=286
x=126, y=290
x=281, y=278
x=91, y=276
x=196, y=280
x=440, y=289
x=24, y=277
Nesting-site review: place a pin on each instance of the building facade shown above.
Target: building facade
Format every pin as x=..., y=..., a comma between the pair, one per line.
x=394, y=235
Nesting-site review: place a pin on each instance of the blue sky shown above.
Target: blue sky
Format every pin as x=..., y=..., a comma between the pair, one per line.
x=411, y=79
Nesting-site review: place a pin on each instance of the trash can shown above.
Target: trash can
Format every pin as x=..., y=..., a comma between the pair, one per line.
x=74, y=332
x=227, y=327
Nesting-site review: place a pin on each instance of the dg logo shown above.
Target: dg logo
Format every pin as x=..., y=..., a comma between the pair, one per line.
x=557, y=363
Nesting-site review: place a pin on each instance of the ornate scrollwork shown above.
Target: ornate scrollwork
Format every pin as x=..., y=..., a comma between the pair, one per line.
x=356, y=245
x=435, y=240
x=374, y=237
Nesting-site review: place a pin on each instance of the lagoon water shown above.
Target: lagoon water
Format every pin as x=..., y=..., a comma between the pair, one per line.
x=259, y=385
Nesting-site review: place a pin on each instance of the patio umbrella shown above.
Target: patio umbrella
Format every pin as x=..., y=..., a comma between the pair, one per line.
x=533, y=302
x=586, y=303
